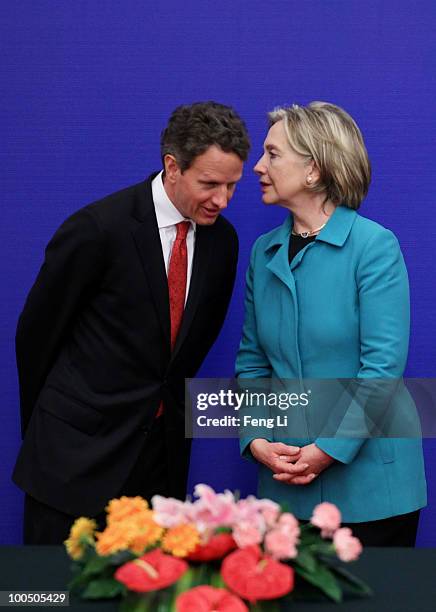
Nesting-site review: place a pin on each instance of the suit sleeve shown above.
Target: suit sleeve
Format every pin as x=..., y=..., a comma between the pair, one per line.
x=251, y=360
x=383, y=294
x=72, y=266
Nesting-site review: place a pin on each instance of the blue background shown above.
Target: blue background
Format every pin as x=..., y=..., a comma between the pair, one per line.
x=88, y=86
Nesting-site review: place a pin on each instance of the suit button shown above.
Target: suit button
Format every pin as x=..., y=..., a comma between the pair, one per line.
x=145, y=429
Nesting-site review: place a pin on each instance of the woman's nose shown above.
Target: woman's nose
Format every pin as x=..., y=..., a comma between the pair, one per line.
x=259, y=168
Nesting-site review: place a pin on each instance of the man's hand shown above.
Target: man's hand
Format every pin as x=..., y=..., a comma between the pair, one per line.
x=278, y=457
x=316, y=461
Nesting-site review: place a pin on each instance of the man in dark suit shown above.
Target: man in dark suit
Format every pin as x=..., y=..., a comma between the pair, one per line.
x=132, y=294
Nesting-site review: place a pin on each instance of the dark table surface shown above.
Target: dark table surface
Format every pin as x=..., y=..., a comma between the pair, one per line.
x=403, y=580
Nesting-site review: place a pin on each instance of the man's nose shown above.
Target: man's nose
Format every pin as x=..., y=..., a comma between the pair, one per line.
x=221, y=197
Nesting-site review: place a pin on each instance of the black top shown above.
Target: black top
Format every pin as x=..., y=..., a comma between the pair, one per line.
x=296, y=243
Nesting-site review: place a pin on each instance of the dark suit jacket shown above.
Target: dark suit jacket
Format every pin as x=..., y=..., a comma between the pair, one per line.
x=93, y=349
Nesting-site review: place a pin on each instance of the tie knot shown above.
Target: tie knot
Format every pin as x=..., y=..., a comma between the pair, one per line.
x=182, y=230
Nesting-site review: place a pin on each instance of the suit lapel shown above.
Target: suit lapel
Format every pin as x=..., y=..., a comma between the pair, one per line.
x=149, y=246
x=203, y=248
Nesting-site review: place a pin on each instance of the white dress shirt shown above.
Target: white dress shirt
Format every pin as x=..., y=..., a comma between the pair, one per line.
x=167, y=217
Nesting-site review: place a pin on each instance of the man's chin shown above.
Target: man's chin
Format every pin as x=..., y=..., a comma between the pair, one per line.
x=206, y=219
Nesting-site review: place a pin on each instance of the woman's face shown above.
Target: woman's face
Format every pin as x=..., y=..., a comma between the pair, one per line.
x=282, y=172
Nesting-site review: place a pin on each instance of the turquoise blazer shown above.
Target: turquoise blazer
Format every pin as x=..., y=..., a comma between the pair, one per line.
x=340, y=310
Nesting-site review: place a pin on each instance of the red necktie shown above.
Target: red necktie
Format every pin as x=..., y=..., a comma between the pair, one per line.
x=177, y=275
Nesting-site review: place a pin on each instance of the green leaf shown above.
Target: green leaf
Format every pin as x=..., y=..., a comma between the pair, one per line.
x=306, y=560
x=265, y=606
x=96, y=565
x=223, y=530
x=103, y=588
x=185, y=582
x=310, y=538
x=121, y=557
x=354, y=585
x=307, y=527
x=165, y=600
x=217, y=581
x=201, y=574
x=324, y=548
x=138, y=603
x=322, y=578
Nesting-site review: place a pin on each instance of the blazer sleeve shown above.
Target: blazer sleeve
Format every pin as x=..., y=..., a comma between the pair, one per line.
x=383, y=297
x=72, y=266
x=251, y=360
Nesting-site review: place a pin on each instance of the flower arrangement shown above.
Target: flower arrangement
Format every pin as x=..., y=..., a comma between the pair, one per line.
x=215, y=553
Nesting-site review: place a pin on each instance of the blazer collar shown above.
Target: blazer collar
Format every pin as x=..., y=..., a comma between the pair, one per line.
x=147, y=239
x=144, y=200
x=335, y=232
x=339, y=226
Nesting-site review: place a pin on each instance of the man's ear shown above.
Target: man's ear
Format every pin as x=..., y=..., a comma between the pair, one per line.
x=172, y=169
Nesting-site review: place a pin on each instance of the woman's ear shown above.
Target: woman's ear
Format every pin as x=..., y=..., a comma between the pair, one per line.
x=312, y=173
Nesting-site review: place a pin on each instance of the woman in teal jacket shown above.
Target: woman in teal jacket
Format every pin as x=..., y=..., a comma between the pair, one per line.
x=327, y=298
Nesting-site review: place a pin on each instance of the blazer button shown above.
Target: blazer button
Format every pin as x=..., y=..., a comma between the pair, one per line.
x=145, y=429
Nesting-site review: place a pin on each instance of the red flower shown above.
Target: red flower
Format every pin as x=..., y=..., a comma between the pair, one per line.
x=151, y=572
x=255, y=576
x=209, y=599
x=218, y=546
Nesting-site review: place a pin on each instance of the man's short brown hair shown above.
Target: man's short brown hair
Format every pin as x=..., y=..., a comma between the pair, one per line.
x=193, y=128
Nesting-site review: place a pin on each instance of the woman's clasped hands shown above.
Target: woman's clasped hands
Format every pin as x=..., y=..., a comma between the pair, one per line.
x=291, y=464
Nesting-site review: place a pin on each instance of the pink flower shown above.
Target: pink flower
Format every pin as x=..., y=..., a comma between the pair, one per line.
x=327, y=517
x=287, y=521
x=282, y=544
x=169, y=512
x=348, y=547
x=281, y=541
x=248, y=511
x=270, y=513
x=212, y=509
x=246, y=534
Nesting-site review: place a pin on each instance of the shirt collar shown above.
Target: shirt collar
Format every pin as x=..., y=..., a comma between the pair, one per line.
x=167, y=214
x=335, y=231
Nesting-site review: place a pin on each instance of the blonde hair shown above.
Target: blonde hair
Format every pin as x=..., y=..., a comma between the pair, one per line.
x=327, y=134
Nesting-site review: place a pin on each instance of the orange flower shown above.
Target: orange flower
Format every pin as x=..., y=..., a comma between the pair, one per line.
x=115, y=537
x=81, y=533
x=120, y=509
x=181, y=540
x=147, y=532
